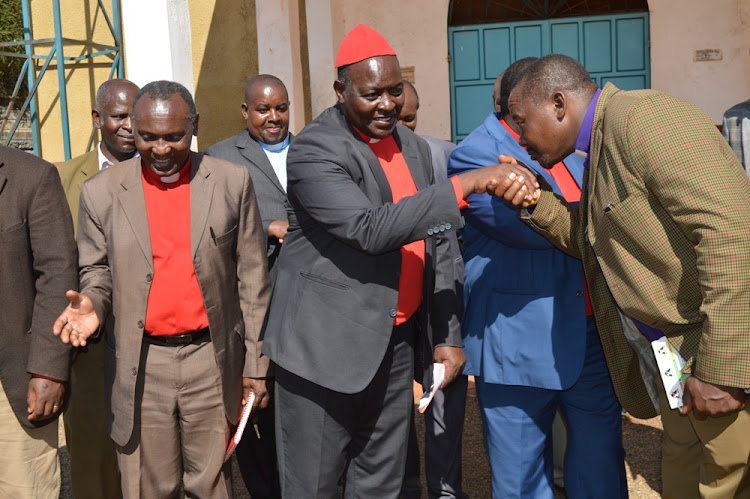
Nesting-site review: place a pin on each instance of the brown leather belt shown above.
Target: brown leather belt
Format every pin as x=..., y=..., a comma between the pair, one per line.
x=177, y=340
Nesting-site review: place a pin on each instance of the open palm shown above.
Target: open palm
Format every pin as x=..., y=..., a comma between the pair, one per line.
x=78, y=321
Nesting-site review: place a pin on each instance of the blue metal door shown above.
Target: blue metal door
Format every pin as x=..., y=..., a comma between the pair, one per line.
x=612, y=48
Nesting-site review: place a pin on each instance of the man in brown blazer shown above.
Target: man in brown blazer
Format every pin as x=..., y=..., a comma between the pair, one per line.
x=93, y=461
x=37, y=265
x=663, y=229
x=171, y=244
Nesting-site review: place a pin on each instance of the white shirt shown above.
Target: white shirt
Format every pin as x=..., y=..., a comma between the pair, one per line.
x=276, y=154
x=103, y=161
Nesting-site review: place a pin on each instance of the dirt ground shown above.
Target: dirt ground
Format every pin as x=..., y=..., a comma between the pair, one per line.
x=642, y=440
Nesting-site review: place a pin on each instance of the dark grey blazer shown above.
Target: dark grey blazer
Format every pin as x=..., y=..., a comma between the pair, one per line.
x=336, y=289
x=441, y=151
x=38, y=263
x=242, y=149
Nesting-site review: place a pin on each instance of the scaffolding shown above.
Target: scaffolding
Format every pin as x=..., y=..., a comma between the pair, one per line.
x=55, y=51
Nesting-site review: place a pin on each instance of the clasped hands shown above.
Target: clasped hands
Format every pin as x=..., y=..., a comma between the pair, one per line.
x=518, y=186
x=508, y=180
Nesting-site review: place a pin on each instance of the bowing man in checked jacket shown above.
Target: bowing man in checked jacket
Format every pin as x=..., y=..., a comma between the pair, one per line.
x=663, y=229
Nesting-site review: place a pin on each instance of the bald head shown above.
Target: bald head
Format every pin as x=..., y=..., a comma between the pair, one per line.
x=112, y=116
x=111, y=88
x=266, y=109
x=263, y=80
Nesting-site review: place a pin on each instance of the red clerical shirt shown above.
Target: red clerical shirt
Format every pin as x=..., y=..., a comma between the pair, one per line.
x=570, y=191
x=413, y=254
x=175, y=303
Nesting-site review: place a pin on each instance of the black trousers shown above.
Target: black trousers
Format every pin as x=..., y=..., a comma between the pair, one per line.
x=256, y=456
x=327, y=440
x=444, y=426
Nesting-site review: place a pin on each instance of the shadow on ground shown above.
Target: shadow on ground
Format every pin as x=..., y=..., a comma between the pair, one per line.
x=642, y=440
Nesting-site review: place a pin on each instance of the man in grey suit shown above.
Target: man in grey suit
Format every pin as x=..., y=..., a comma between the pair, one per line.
x=364, y=268
x=171, y=244
x=444, y=417
x=262, y=148
x=37, y=264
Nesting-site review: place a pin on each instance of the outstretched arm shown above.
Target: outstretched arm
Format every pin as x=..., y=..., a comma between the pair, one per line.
x=327, y=190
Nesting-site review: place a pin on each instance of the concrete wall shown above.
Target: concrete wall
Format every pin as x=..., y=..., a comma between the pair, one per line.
x=679, y=28
x=165, y=53
x=279, y=52
x=213, y=47
x=210, y=46
x=81, y=20
x=320, y=40
x=225, y=56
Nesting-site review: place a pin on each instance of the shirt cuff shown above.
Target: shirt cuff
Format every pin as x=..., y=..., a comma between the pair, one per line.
x=47, y=377
x=459, y=193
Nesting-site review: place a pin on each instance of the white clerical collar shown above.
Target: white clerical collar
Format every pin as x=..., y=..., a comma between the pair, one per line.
x=104, y=162
x=170, y=179
x=280, y=146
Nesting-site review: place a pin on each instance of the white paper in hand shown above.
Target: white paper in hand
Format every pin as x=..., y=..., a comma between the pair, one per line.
x=240, y=427
x=670, y=364
x=438, y=375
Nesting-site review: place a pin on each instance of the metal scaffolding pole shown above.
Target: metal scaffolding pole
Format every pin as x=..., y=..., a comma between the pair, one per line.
x=56, y=50
x=33, y=108
x=62, y=87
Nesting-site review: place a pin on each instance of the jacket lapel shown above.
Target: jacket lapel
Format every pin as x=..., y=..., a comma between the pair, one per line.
x=133, y=202
x=596, y=146
x=201, y=193
x=88, y=169
x=413, y=161
x=253, y=152
x=336, y=115
x=377, y=170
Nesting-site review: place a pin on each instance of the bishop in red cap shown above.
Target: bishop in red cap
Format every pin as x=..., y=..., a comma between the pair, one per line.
x=361, y=43
x=366, y=267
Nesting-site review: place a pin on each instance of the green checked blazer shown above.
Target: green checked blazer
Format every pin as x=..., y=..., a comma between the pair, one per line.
x=664, y=232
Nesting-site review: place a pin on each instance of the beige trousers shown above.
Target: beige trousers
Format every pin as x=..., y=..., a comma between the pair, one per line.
x=181, y=431
x=29, y=468
x=707, y=459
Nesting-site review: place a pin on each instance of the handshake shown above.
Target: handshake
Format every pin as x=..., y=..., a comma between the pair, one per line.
x=509, y=179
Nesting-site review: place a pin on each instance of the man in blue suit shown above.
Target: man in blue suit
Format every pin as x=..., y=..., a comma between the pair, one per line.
x=529, y=336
